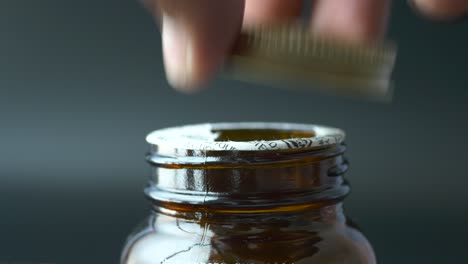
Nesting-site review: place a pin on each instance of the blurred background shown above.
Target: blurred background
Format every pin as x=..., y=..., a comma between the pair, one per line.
x=81, y=84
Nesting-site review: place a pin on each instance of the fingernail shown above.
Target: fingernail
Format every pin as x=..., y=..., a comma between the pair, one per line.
x=178, y=55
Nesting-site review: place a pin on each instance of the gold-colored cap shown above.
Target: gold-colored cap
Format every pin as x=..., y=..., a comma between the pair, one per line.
x=291, y=55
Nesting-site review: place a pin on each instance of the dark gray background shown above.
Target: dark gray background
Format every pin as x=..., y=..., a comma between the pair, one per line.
x=81, y=84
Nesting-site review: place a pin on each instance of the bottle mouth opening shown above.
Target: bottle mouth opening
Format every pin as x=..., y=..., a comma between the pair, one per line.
x=244, y=136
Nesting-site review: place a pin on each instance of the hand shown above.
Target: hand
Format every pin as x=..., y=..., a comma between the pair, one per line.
x=197, y=34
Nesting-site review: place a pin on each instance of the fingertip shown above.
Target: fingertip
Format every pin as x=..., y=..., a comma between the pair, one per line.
x=357, y=21
x=445, y=10
x=197, y=37
x=271, y=11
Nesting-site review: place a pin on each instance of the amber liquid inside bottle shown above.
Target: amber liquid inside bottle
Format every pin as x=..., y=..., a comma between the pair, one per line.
x=234, y=206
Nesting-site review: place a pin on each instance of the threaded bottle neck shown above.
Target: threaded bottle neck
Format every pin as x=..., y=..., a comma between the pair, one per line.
x=244, y=181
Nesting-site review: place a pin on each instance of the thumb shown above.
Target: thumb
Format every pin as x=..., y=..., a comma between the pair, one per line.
x=196, y=36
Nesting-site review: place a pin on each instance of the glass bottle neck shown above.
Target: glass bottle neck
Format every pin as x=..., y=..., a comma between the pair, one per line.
x=243, y=184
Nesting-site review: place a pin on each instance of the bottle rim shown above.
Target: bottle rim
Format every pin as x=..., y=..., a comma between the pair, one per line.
x=207, y=137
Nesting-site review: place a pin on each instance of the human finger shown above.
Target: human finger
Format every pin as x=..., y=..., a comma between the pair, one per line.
x=352, y=20
x=270, y=11
x=196, y=36
x=441, y=9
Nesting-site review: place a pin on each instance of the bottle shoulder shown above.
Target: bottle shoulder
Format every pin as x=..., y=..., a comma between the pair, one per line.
x=188, y=242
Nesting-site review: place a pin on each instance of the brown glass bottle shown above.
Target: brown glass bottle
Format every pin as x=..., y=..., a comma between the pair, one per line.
x=247, y=193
